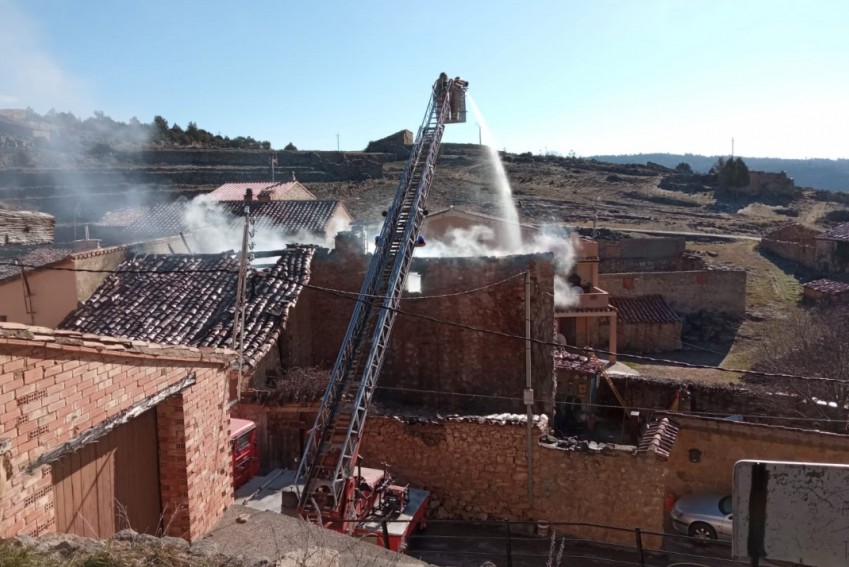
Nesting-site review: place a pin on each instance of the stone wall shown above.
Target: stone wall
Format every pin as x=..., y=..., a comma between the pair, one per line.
x=648, y=337
x=759, y=404
x=25, y=227
x=426, y=356
x=56, y=387
x=478, y=470
x=795, y=242
x=716, y=291
x=723, y=443
x=641, y=255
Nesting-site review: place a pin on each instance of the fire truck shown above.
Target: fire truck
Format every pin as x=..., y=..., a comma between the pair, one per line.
x=331, y=487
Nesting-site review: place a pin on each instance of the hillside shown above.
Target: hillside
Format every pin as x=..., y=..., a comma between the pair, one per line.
x=826, y=174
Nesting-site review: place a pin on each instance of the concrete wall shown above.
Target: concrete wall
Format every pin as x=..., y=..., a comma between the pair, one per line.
x=425, y=355
x=479, y=471
x=717, y=291
x=56, y=387
x=723, y=443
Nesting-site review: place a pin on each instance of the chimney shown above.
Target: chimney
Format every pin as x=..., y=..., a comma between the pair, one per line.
x=249, y=194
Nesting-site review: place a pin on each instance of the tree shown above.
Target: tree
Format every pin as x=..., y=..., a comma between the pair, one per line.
x=731, y=172
x=814, y=344
x=290, y=147
x=684, y=168
x=161, y=127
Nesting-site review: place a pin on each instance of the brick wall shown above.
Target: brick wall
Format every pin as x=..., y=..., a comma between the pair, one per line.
x=718, y=291
x=723, y=443
x=424, y=355
x=56, y=386
x=479, y=471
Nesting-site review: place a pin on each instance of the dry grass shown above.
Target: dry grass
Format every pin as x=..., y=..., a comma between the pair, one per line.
x=112, y=554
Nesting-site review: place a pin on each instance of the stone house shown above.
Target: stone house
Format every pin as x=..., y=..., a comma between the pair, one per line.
x=40, y=285
x=793, y=242
x=832, y=250
x=98, y=434
x=190, y=299
x=647, y=324
x=263, y=191
x=827, y=290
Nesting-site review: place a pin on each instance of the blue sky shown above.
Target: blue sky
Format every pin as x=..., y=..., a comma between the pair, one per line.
x=593, y=77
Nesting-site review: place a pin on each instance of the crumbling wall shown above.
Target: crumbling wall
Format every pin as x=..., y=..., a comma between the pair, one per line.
x=716, y=291
x=477, y=469
x=425, y=356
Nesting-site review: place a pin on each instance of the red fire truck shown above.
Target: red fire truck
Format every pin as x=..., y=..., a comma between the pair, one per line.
x=244, y=450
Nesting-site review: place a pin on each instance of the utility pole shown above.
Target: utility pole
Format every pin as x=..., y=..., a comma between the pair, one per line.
x=732, y=148
x=337, y=141
x=529, y=389
x=239, y=309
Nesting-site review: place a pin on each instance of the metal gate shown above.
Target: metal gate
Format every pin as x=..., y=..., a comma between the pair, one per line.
x=111, y=484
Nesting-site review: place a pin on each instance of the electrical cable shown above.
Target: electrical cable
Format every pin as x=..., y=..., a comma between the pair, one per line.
x=352, y=296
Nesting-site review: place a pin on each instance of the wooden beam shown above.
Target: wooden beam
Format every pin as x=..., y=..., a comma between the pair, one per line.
x=105, y=427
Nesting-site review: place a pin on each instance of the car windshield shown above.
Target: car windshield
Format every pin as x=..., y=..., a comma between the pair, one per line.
x=725, y=505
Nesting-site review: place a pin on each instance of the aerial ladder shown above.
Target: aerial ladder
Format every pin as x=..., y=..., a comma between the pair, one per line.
x=332, y=489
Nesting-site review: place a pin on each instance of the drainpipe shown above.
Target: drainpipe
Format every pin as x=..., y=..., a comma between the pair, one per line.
x=529, y=390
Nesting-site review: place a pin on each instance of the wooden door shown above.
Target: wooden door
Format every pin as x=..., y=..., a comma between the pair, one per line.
x=111, y=484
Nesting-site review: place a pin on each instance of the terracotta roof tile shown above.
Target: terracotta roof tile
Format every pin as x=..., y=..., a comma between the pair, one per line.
x=658, y=438
x=830, y=287
x=190, y=299
x=168, y=219
x=644, y=309
x=236, y=191
x=566, y=360
x=839, y=233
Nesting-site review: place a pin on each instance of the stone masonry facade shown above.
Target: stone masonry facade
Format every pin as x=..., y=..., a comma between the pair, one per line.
x=58, y=386
x=476, y=468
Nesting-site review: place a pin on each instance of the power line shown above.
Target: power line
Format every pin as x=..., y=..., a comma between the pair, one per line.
x=354, y=296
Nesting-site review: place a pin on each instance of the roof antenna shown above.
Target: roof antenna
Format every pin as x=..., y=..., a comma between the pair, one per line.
x=293, y=176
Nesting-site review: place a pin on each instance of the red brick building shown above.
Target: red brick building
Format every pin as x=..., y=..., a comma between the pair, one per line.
x=98, y=434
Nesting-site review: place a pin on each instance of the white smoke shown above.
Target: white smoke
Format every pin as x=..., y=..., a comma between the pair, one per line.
x=212, y=229
x=481, y=240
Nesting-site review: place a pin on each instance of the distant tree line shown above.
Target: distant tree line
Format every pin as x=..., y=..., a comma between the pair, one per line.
x=818, y=173
x=100, y=133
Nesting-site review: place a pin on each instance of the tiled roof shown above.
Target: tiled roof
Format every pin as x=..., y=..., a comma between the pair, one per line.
x=565, y=360
x=34, y=256
x=658, y=439
x=828, y=286
x=190, y=299
x=43, y=337
x=273, y=190
x=168, y=219
x=839, y=233
x=644, y=309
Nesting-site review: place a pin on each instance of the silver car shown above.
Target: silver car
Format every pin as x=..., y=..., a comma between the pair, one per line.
x=704, y=516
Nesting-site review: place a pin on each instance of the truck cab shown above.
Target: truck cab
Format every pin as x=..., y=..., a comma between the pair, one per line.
x=244, y=450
